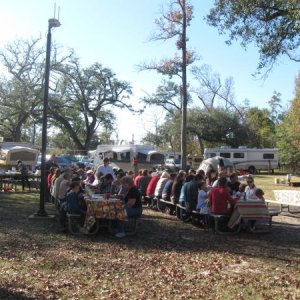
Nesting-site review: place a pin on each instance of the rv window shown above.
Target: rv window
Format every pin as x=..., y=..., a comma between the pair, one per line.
x=268, y=156
x=238, y=155
x=226, y=155
x=213, y=154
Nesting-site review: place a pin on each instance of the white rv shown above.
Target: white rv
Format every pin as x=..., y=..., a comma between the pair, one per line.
x=10, y=153
x=126, y=154
x=251, y=159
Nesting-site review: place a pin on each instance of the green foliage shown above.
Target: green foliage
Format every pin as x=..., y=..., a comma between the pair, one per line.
x=216, y=127
x=21, y=88
x=288, y=133
x=273, y=26
x=276, y=107
x=83, y=99
x=260, y=128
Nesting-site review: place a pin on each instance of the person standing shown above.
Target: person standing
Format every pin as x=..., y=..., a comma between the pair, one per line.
x=24, y=174
x=105, y=168
x=51, y=163
x=135, y=166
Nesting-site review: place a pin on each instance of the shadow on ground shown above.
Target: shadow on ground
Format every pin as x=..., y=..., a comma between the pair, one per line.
x=158, y=231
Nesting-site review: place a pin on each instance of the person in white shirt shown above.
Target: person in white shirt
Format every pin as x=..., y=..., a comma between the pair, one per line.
x=250, y=189
x=106, y=168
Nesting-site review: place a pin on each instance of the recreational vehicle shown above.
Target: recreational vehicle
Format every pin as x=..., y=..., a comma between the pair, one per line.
x=250, y=159
x=10, y=153
x=126, y=153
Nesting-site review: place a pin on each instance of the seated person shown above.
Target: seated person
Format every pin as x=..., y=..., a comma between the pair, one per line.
x=234, y=184
x=105, y=186
x=143, y=182
x=133, y=203
x=72, y=204
x=250, y=189
x=220, y=200
x=241, y=192
x=260, y=195
x=202, y=197
x=177, y=187
x=161, y=184
x=152, y=184
x=166, y=193
x=90, y=177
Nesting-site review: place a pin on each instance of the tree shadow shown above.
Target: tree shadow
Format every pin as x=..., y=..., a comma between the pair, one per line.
x=7, y=293
x=158, y=232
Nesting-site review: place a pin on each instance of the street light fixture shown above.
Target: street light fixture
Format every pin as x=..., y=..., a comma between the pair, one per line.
x=52, y=23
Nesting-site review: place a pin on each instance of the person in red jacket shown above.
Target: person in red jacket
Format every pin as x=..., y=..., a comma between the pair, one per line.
x=138, y=177
x=152, y=184
x=221, y=202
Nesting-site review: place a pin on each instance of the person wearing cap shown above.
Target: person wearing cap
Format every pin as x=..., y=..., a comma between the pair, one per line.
x=106, y=168
x=24, y=174
x=90, y=177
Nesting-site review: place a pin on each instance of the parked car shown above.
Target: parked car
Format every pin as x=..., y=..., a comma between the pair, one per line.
x=63, y=162
x=39, y=161
x=83, y=161
x=173, y=164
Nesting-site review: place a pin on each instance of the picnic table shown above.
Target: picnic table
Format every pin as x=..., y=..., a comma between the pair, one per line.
x=250, y=210
x=110, y=209
x=13, y=178
x=286, y=198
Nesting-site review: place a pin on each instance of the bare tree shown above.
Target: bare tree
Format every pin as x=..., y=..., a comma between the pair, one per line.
x=213, y=92
x=173, y=24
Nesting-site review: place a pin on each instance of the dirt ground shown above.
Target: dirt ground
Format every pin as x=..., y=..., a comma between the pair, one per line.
x=166, y=259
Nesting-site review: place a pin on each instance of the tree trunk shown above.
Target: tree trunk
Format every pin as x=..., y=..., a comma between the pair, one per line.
x=201, y=145
x=184, y=90
x=69, y=128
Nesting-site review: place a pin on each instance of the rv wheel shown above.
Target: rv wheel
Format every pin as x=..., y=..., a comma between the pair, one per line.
x=252, y=170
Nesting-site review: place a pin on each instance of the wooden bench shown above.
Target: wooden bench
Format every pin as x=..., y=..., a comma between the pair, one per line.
x=217, y=221
x=169, y=204
x=286, y=198
x=259, y=226
x=180, y=211
x=131, y=226
x=73, y=222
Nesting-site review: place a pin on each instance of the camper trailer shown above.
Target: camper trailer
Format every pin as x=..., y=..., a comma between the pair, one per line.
x=117, y=154
x=250, y=159
x=10, y=153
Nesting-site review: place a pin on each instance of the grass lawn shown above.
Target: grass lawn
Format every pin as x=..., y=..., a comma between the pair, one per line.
x=266, y=183
x=167, y=259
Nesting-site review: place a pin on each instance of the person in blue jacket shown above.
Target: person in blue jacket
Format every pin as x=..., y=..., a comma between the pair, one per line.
x=73, y=205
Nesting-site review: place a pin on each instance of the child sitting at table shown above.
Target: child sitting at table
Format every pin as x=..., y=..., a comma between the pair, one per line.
x=241, y=192
x=260, y=194
x=73, y=201
x=202, y=197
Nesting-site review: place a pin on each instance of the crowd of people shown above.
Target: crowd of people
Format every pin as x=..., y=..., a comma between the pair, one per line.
x=211, y=193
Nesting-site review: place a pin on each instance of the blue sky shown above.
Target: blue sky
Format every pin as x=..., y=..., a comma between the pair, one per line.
x=116, y=33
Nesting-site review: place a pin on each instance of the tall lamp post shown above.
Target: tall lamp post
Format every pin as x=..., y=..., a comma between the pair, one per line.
x=52, y=23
